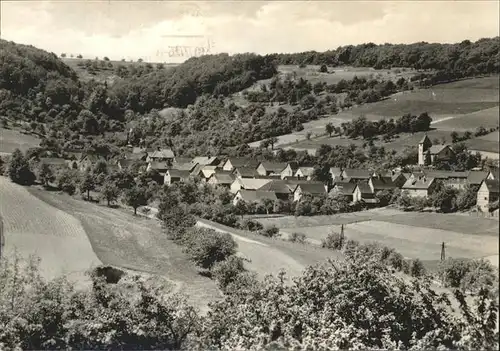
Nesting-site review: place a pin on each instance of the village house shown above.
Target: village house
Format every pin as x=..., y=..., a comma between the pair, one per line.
x=475, y=178
x=253, y=196
x=487, y=194
x=455, y=179
x=396, y=177
x=289, y=170
x=354, y=175
x=55, y=162
x=161, y=155
x=174, y=175
x=380, y=183
x=270, y=168
x=206, y=161
x=494, y=174
x=305, y=173
x=419, y=187
x=315, y=189
x=160, y=167
x=184, y=165
x=281, y=188
x=428, y=154
x=221, y=179
x=125, y=163
x=364, y=193
x=245, y=172
x=206, y=172
x=237, y=162
x=248, y=184
x=335, y=174
x=87, y=161
x=345, y=189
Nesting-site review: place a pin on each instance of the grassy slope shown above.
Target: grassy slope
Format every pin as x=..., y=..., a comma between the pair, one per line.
x=136, y=243
x=462, y=105
x=11, y=139
x=35, y=227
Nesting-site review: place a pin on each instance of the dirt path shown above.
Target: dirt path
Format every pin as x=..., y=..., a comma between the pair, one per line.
x=33, y=227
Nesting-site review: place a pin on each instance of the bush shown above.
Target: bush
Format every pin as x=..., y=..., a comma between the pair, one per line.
x=250, y=224
x=226, y=272
x=270, y=232
x=350, y=247
x=297, y=238
x=396, y=260
x=468, y=275
x=333, y=241
x=19, y=170
x=453, y=271
x=417, y=268
x=206, y=246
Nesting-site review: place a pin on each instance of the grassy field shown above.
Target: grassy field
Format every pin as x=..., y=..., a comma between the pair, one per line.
x=12, y=139
x=135, y=243
x=488, y=143
x=462, y=105
x=415, y=235
x=33, y=227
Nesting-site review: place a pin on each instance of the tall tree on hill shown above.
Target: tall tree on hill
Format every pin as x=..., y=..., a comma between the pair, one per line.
x=45, y=174
x=19, y=170
x=110, y=192
x=329, y=128
x=135, y=197
x=87, y=184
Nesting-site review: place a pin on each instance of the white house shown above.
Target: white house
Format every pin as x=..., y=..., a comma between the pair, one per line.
x=248, y=184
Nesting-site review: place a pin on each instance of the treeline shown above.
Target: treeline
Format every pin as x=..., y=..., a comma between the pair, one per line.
x=407, y=123
x=139, y=313
x=470, y=58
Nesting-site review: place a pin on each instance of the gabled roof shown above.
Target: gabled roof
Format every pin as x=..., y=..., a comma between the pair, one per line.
x=176, y=173
x=162, y=153
x=245, y=171
x=476, y=177
x=207, y=171
x=495, y=173
x=425, y=139
x=274, y=166
x=357, y=173
x=159, y=166
x=183, y=160
x=222, y=178
x=446, y=174
x=364, y=188
x=306, y=171
x=293, y=165
x=125, y=162
x=256, y=195
x=243, y=162
x=205, y=160
x=312, y=188
x=344, y=188
x=493, y=185
x=383, y=183
x=189, y=166
x=335, y=171
x=436, y=149
x=422, y=183
x=251, y=183
x=278, y=186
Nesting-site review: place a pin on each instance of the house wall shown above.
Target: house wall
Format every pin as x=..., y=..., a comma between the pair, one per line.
x=261, y=170
x=167, y=179
x=287, y=172
x=235, y=186
x=236, y=199
x=228, y=166
x=356, y=195
x=417, y=192
x=297, y=194
x=421, y=155
x=484, y=197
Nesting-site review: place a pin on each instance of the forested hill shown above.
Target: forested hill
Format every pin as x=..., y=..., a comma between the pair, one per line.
x=181, y=85
x=481, y=56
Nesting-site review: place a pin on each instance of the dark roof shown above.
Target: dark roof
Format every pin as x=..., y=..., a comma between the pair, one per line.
x=306, y=170
x=188, y=166
x=436, y=149
x=183, y=160
x=357, y=173
x=257, y=195
x=162, y=153
x=312, y=188
x=422, y=183
x=364, y=188
x=205, y=160
x=53, y=161
x=345, y=188
x=245, y=171
x=278, y=186
x=274, y=166
x=335, y=170
x=476, y=177
x=293, y=165
x=223, y=178
x=493, y=185
x=383, y=183
x=159, y=166
x=424, y=139
x=177, y=173
x=243, y=162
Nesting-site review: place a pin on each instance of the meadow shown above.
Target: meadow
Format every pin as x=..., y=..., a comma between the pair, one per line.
x=12, y=139
x=414, y=235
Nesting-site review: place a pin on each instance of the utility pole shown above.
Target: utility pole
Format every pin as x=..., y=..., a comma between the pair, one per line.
x=342, y=235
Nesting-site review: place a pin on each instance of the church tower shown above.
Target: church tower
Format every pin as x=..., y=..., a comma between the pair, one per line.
x=423, y=146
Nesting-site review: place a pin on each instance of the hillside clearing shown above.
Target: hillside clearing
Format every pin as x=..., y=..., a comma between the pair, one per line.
x=33, y=227
x=12, y=139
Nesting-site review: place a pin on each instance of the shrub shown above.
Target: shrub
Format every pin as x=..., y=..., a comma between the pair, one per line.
x=225, y=272
x=396, y=260
x=468, y=275
x=251, y=225
x=19, y=170
x=453, y=271
x=417, y=268
x=206, y=246
x=297, y=237
x=333, y=241
x=270, y=232
x=350, y=247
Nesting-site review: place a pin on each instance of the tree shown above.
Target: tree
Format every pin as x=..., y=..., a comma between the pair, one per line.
x=323, y=69
x=466, y=198
x=454, y=137
x=273, y=141
x=63, y=55
x=268, y=204
x=19, y=170
x=241, y=208
x=45, y=174
x=329, y=128
x=87, y=184
x=110, y=192
x=135, y=197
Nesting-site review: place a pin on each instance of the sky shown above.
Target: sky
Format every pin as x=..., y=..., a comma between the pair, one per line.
x=152, y=29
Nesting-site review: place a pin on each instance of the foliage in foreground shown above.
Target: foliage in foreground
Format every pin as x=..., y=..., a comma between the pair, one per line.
x=335, y=305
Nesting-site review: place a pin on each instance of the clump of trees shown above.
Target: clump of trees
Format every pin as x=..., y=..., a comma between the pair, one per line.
x=19, y=170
